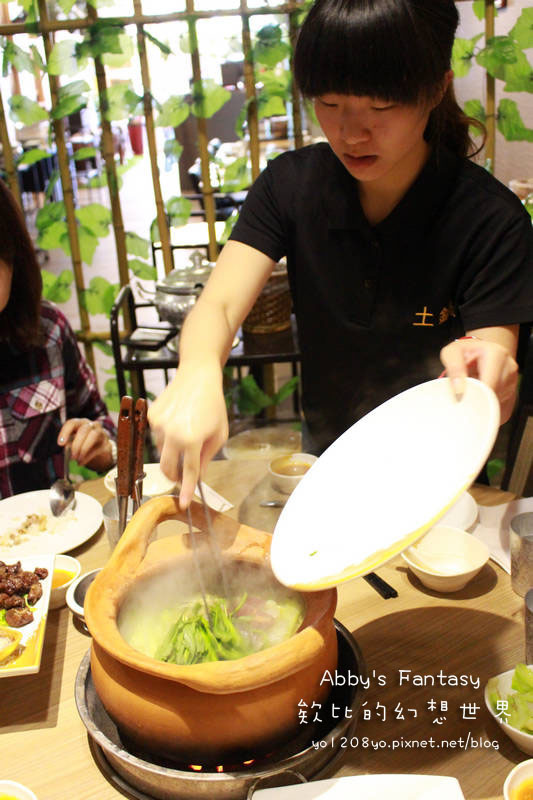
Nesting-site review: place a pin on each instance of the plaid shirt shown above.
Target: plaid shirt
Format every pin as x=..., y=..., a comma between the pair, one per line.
x=39, y=390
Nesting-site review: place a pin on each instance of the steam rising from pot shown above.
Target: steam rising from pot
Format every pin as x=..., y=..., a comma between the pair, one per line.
x=163, y=617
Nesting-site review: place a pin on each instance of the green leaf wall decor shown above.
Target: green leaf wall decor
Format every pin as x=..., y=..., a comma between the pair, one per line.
x=57, y=288
x=137, y=246
x=95, y=218
x=510, y=123
x=208, y=98
x=522, y=32
x=173, y=112
x=463, y=54
x=33, y=156
x=100, y=296
x=179, y=210
x=142, y=270
x=25, y=110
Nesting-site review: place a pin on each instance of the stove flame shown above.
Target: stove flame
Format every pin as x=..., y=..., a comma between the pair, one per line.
x=219, y=767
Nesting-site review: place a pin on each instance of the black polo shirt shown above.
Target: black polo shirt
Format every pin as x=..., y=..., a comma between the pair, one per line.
x=375, y=304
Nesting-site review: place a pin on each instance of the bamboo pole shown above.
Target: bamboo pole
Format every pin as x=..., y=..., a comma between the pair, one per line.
x=490, y=83
x=147, y=19
x=249, y=82
x=296, y=99
x=108, y=153
x=96, y=336
x=162, y=224
x=7, y=152
x=201, y=125
x=68, y=192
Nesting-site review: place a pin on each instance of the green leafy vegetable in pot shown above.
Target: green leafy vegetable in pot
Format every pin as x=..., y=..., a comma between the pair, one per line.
x=181, y=633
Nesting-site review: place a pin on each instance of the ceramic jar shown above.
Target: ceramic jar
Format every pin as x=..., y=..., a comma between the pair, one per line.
x=209, y=712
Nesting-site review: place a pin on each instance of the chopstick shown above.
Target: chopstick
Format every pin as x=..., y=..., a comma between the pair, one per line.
x=382, y=587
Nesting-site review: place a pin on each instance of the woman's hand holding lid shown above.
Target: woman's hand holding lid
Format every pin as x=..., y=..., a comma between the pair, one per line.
x=491, y=360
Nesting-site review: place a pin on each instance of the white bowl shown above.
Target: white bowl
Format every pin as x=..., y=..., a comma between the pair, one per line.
x=286, y=471
x=76, y=593
x=518, y=774
x=67, y=564
x=446, y=558
x=524, y=741
x=463, y=514
x=14, y=789
x=155, y=483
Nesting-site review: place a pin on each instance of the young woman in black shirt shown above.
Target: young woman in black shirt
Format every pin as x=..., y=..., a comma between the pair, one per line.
x=397, y=245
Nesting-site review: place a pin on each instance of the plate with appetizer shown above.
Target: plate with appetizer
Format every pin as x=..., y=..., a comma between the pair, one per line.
x=25, y=586
x=28, y=527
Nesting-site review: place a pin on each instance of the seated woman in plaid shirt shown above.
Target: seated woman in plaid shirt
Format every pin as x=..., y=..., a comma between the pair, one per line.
x=48, y=394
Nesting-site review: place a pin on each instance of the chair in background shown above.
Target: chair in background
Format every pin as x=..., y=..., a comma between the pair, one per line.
x=139, y=341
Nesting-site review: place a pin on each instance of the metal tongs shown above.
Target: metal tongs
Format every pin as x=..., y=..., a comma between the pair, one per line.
x=215, y=549
x=130, y=444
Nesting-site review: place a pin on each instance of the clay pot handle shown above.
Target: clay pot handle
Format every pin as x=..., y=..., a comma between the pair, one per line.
x=132, y=545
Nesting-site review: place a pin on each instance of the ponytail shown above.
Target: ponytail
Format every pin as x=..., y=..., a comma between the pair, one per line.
x=448, y=125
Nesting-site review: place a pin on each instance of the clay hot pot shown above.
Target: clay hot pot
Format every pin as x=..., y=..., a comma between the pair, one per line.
x=212, y=711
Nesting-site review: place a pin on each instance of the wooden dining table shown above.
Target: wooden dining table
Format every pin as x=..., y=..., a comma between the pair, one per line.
x=428, y=657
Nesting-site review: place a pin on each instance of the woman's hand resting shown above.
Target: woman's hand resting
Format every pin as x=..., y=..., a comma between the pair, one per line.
x=89, y=442
x=190, y=424
x=488, y=361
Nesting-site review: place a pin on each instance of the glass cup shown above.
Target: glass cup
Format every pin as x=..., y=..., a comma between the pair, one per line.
x=110, y=511
x=521, y=545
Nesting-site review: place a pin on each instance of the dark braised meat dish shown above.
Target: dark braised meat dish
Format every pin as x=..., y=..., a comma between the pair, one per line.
x=17, y=617
x=14, y=584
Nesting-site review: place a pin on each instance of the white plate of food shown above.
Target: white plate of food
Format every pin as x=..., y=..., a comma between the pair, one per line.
x=28, y=527
x=382, y=484
x=369, y=787
x=25, y=588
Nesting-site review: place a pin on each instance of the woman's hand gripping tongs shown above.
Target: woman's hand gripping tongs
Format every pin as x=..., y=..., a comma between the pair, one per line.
x=130, y=444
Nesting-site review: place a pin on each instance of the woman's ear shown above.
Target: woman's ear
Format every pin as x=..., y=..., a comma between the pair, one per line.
x=448, y=78
x=443, y=88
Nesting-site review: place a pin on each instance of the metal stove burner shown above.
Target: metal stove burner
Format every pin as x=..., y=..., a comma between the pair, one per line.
x=145, y=777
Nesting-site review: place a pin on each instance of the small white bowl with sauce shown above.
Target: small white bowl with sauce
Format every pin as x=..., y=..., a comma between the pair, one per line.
x=287, y=471
x=519, y=782
x=66, y=570
x=15, y=791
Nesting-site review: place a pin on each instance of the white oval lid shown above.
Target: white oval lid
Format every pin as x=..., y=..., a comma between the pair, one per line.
x=384, y=483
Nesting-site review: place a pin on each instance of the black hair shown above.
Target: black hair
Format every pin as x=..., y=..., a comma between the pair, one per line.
x=394, y=50
x=20, y=321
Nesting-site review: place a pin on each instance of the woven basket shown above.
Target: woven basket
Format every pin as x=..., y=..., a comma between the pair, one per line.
x=271, y=311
